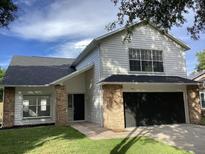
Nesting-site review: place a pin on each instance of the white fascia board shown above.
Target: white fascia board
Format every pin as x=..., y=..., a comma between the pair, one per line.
x=141, y=83
x=46, y=85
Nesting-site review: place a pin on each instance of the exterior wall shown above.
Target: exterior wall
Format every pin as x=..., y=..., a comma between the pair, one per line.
x=202, y=89
x=18, y=118
x=75, y=85
x=160, y=88
x=194, y=104
x=113, y=107
x=61, y=105
x=9, y=105
x=115, y=58
x=92, y=99
x=94, y=107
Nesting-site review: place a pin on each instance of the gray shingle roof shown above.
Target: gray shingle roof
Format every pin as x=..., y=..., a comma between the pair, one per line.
x=36, y=70
x=148, y=78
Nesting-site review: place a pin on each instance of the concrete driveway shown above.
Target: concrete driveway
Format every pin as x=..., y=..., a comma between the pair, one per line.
x=185, y=136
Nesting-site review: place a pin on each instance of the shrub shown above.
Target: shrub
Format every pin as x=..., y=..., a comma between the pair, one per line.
x=203, y=120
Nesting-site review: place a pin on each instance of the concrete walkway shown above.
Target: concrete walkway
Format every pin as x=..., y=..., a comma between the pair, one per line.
x=185, y=136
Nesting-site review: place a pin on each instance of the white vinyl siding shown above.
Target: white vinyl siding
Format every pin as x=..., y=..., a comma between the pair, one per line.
x=75, y=85
x=115, y=56
x=93, y=94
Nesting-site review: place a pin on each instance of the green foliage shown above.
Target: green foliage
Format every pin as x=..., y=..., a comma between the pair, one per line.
x=7, y=12
x=201, y=61
x=163, y=13
x=2, y=72
x=66, y=140
x=203, y=120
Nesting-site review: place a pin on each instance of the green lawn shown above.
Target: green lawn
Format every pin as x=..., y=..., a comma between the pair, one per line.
x=51, y=139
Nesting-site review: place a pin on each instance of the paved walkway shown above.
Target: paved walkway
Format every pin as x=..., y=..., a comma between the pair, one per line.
x=185, y=136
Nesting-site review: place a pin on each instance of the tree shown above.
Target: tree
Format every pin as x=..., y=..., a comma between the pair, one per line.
x=163, y=13
x=7, y=12
x=2, y=72
x=201, y=61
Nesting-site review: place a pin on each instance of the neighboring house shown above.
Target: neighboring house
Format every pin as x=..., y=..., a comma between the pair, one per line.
x=112, y=83
x=200, y=77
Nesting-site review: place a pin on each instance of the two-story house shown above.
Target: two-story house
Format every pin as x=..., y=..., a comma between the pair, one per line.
x=112, y=83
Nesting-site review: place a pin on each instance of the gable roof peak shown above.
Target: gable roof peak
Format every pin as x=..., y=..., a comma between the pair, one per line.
x=97, y=40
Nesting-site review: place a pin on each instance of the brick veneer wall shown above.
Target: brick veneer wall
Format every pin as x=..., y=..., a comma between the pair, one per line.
x=113, y=108
x=194, y=106
x=61, y=106
x=8, y=107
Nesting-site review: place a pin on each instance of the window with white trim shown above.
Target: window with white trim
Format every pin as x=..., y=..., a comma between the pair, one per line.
x=144, y=60
x=202, y=99
x=36, y=106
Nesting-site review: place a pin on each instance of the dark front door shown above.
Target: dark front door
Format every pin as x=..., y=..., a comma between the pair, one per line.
x=153, y=108
x=79, y=107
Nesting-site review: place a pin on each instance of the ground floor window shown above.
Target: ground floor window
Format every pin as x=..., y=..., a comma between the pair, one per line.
x=202, y=99
x=36, y=106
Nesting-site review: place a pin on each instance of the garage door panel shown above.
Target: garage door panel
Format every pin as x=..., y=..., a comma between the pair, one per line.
x=142, y=109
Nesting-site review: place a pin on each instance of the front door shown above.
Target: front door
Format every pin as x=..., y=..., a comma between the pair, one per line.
x=79, y=107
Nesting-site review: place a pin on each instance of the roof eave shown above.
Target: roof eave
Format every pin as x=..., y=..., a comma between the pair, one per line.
x=46, y=85
x=156, y=83
x=95, y=41
x=85, y=52
x=186, y=47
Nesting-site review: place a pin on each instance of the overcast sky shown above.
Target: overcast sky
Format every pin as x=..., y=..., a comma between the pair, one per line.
x=62, y=28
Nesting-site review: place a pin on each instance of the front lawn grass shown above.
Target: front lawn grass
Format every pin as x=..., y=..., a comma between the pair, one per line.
x=52, y=139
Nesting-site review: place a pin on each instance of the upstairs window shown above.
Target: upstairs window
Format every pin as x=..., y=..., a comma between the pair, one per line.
x=146, y=60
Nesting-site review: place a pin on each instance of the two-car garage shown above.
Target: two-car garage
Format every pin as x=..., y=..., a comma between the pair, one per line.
x=143, y=100
x=153, y=108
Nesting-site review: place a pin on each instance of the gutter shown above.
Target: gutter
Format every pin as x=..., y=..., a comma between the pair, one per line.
x=45, y=85
x=141, y=83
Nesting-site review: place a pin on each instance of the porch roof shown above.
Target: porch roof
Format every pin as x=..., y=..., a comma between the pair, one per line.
x=119, y=78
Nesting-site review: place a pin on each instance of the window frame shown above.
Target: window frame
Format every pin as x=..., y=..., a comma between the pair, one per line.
x=201, y=99
x=37, y=106
x=152, y=61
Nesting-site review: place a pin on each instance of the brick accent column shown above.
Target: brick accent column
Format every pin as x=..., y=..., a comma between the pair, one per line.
x=113, y=107
x=61, y=106
x=9, y=104
x=194, y=104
